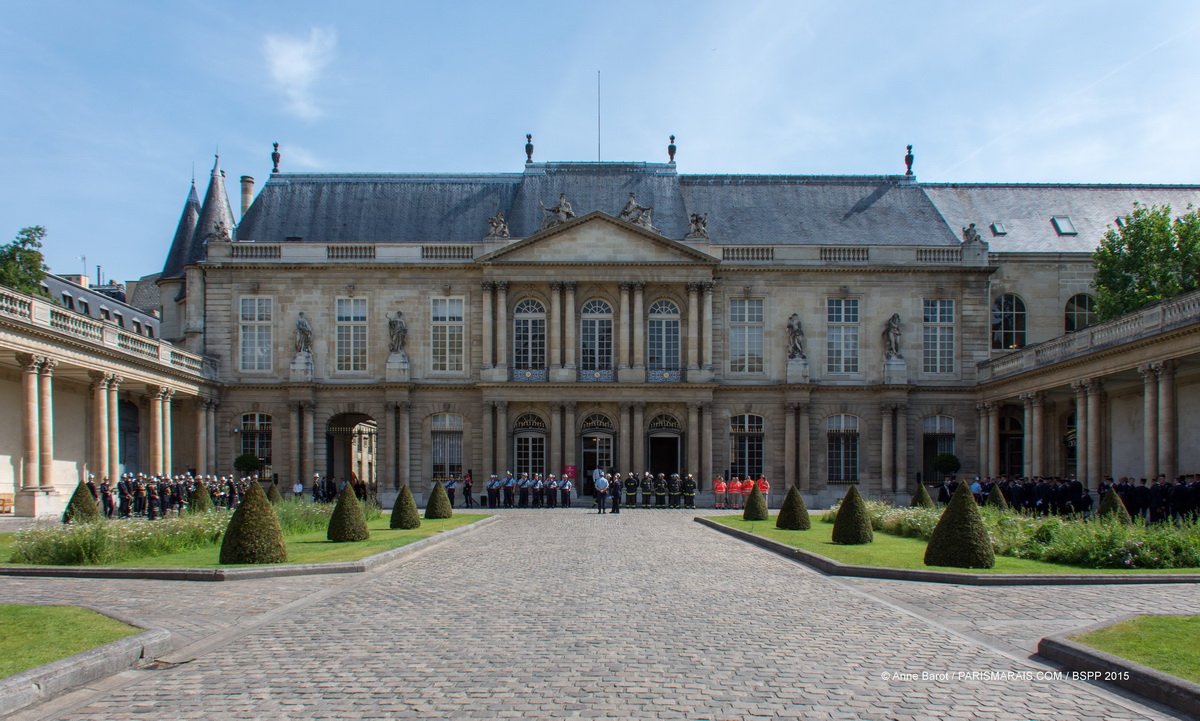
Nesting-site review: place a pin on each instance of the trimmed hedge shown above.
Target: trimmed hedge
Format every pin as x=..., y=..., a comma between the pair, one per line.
x=82, y=507
x=273, y=494
x=347, y=523
x=793, y=515
x=756, y=506
x=921, y=499
x=199, y=499
x=852, y=526
x=404, y=512
x=996, y=499
x=1112, y=505
x=439, y=503
x=960, y=539
x=253, y=534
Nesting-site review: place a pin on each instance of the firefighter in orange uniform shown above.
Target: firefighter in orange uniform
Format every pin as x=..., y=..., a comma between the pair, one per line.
x=719, y=492
x=763, y=487
x=747, y=489
x=733, y=492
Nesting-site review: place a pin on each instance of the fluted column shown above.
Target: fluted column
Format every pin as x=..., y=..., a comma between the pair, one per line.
x=1027, y=435
x=404, y=442
x=993, y=469
x=213, y=458
x=555, y=330
x=295, y=440
x=1149, y=373
x=168, y=455
x=887, y=467
x=488, y=288
x=981, y=433
x=114, y=428
x=706, y=342
x=1081, y=430
x=706, y=447
x=622, y=340
x=30, y=426
x=624, y=458
x=570, y=315
x=99, y=424
x=308, y=465
x=502, y=437
x=639, y=438
x=46, y=424
x=789, y=444
x=693, y=437
x=1095, y=464
x=1166, y=420
x=639, y=324
x=489, y=439
x=804, y=448
x=570, y=437
x=1038, y=433
x=201, y=421
x=901, y=448
x=556, y=438
x=502, y=324
x=693, y=327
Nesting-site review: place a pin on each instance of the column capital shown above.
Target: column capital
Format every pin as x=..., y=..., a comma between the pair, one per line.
x=792, y=407
x=1164, y=367
x=556, y=405
x=707, y=286
x=29, y=362
x=639, y=285
x=993, y=408
x=694, y=286
x=982, y=406
x=487, y=285
x=887, y=408
x=1081, y=386
x=693, y=407
x=901, y=408
x=556, y=285
x=1037, y=398
x=502, y=406
x=625, y=406
x=706, y=408
x=1095, y=386
x=1148, y=371
x=569, y=286
x=47, y=366
x=625, y=286
x=639, y=406
x=308, y=406
x=99, y=379
x=569, y=406
x=502, y=286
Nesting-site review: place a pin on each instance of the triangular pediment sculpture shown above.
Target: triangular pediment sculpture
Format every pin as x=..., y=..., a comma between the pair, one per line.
x=597, y=238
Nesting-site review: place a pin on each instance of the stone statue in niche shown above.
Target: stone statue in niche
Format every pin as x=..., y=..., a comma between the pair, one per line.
x=795, y=338
x=304, y=334
x=398, y=332
x=497, y=226
x=697, y=227
x=557, y=215
x=891, y=337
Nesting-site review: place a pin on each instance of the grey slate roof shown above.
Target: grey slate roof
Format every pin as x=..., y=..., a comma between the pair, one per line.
x=57, y=286
x=181, y=246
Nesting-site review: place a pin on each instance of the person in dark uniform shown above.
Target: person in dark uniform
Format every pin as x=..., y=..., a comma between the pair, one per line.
x=631, y=490
x=660, y=491
x=452, y=489
x=564, y=490
x=673, y=488
x=124, y=498
x=550, y=492
x=467, y=483
x=537, y=488
x=647, y=486
x=509, y=485
x=689, y=492
x=614, y=485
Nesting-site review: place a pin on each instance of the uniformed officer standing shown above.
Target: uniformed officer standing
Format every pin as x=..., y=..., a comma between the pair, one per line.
x=536, y=487
x=631, y=490
x=550, y=493
x=523, y=486
x=614, y=485
x=660, y=491
x=719, y=492
x=564, y=490
x=647, y=489
x=673, y=488
x=493, y=491
x=452, y=489
x=689, y=492
x=509, y=485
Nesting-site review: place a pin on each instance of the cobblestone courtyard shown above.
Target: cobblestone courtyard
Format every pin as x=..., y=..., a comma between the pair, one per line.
x=559, y=614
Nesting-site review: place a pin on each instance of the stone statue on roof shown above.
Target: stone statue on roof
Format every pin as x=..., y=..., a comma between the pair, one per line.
x=497, y=226
x=795, y=338
x=304, y=334
x=557, y=215
x=697, y=227
x=637, y=214
x=891, y=337
x=970, y=235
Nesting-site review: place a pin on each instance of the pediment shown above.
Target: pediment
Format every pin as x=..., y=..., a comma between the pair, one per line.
x=597, y=238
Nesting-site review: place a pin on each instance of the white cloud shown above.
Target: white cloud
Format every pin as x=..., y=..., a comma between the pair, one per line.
x=295, y=65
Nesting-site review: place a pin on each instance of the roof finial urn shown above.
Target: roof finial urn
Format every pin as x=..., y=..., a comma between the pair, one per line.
x=671, y=149
x=908, y=161
x=275, y=157
x=528, y=148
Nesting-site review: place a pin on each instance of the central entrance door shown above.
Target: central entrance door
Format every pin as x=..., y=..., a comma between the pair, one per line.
x=664, y=454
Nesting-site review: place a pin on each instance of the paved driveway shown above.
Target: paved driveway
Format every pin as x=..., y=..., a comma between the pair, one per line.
x=563, y=613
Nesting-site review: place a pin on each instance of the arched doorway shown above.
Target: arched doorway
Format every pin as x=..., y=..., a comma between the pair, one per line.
x=350, y=448
x=596, y=443
x=1012, y=447
x=664, y=447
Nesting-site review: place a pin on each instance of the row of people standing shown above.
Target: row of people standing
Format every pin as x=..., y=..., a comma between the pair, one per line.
x=735, y=492
x=528, y=491
x=155, y=496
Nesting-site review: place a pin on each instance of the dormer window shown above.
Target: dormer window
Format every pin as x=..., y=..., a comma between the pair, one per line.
x=83, y=307
x=120, y=319
x=105, y=314
x=999, y=229
x=1063, y=224
x=68, y=301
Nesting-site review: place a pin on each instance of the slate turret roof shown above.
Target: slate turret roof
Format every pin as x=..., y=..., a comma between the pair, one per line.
x=181, y=246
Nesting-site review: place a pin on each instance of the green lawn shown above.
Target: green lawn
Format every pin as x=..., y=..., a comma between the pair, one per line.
x=34, y=635
x=1164, y=643
x=897, y=552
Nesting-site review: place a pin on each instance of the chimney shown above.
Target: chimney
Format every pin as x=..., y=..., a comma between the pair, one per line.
x=247, y=193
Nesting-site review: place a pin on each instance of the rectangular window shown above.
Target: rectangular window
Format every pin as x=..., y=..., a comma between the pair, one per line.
x=841, y=342
x=83, y=307
x=446, y=333
x=843, y=456
x=254, y=322
x=530, y=454
x=447, y=454
x=938, y=336
x=351, y=334
x=746, y=335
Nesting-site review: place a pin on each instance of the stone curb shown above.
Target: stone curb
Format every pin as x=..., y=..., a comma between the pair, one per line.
x=833, y=568
x=1155, y=685
x=242, y=574
x=45, y=682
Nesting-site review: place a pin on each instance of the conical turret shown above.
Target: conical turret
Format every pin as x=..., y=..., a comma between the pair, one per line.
x=181, y=252
x=216, y=216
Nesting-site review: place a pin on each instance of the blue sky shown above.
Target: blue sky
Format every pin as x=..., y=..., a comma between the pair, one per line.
x=107, y=106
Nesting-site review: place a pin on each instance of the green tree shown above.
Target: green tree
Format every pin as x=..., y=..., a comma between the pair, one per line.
x=921, y=498
x=1150, y=257
x=960, y=538
x=82, y=507
x=247, y=464
x=22, y=266
x=253, y=534
x=438, y=505
x=348, y=522
x=1112, y=505
x=946, y=463
x=756, y=506
x=793, y=514
x=404, y=511
x=852, y=525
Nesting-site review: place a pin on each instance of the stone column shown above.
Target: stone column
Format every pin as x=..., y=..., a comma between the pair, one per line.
x=902, y=448
x=993, y=439
x=693, y=437
x=385, y=465
x=789, y=444
x=570, y=438
x=46, y=424
x=99, y=463
x=502, y=324
x=155, y=394
x=693, y=327
x=554, y=332
x=213, y=458
x=295, y=439
x=556, y=454
x=30, y=426
x=489, y=440
x=706, y=440
x=982, y=435
x=201, y=421
x=404, y=442
x=1094, y=438
x=887, y=465
x=706, y=342
x=309, y=462
x=622, y=340
x=168, y=454
x=1027, y=435
x=569, y=321
x=502, y=437
x=805, y=448
x=1149, y=373
x=1081, y=430
x=114, y=428
x=624, y=459
x=1038, y=433
x=639, y=324
x=639, y=438
x=1166, y=420
x=489, y=322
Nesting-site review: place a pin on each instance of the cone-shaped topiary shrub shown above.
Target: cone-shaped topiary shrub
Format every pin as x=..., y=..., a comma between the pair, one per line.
x=852, y=526
x=996, y=499
x=793, y=515
x=253, y=534
x=347, y=522
x=404, y=512
x=273, y=494
x=960, y=538
x=82, y=507
x=921, y=499
x=1112, y=505
x=439, y=503
x=756, y=506
x=199, y=499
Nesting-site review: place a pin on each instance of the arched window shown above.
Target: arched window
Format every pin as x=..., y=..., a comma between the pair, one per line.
x=596, y=341
x=937, y=437
x=1080, y=313
x=256, y=439
x=842, y=436
x=662, y=348
x=529, y=444
x=1008, y=322
x=746, y=445
x=529, y=341
x=446, y=439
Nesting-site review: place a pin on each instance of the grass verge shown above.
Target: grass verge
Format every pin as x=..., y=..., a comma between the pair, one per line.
x=897, y=552
x=1164, y=643
x=31, y=636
